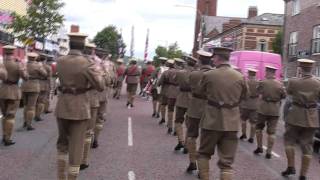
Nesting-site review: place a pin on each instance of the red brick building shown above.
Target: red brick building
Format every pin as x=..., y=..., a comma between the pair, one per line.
x=204, y=8
x=301, y=34
x=252, y=33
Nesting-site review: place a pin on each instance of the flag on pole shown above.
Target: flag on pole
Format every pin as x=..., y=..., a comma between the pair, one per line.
x=132, y=42
x=146, y=49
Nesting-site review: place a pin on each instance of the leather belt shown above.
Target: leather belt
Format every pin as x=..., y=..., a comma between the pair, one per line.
x=270, y=100
x=220, y=105
x=132, y=75
x=33, y=78
x=10, y=82
x=73, y=91
x=199, y=96
x=306, y=106
x=254, y=97
x=186, y=89
x=172, y=84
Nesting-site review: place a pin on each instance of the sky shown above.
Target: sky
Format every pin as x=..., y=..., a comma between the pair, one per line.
x=167, y=22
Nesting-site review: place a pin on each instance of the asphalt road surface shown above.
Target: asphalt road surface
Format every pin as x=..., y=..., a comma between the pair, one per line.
x=132, y=147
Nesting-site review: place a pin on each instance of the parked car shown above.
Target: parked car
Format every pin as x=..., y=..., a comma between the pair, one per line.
x=257, y=60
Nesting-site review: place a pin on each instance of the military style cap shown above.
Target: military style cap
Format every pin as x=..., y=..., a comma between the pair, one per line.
x=252, y=70
x=163, y=58
x=120, y=60
x=133, y=60
x=32, y=54
x=170, y=61
x=179, y=60
x=204, y=53
x=190, y=58
x=77, y=37
x=8, y=49
x=222, y=51
x=308, y=63
x=269, y=67
x=90, y=45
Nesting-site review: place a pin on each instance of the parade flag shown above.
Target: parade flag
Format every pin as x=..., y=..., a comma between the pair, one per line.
x=132, y=43
x=146, y=49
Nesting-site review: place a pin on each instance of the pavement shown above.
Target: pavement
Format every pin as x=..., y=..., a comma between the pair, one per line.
x=132, y=147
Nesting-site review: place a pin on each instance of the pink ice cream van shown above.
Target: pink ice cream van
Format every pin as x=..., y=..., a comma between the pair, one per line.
x=257, y=60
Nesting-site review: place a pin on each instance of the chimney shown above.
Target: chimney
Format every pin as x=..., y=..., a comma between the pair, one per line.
x=253, y=12
x=74, y=28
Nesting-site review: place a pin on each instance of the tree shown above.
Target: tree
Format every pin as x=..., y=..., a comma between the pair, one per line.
x=42, y=19
x=171, y=52
x=111, y=40
x=277, y=43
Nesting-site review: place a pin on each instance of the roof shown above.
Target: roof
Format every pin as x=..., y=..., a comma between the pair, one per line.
x=267, y=19
x=216, y=22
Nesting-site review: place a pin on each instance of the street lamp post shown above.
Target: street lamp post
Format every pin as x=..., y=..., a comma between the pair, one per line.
x=200, y=38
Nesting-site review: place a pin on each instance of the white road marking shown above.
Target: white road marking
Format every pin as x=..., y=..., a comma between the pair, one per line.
x=131, y=175
x=273, y=153
x=130, y=138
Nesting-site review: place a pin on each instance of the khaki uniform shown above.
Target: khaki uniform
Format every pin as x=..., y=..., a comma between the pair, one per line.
x=248, y=108
x=272, y=92
x=195, y=111
x=3, y=72
x=77, y=75
x=183, y=97
x=132, y=79
x=302, y=119
x=119, y=80
x=31, y=90
x=172, y=93
x=45, y=88
x=10, y=94
x=162, y=82
x=225, y=88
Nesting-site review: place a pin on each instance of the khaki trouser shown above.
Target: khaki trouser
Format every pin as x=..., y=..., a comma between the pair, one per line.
x=9, y=109
x=118, y=89
x=226, y=143
x=89, y=135
x=131, y=90
x=41, y=103
x=101, y=118
x=180, y=119
x=30, y=102
x=71, y=141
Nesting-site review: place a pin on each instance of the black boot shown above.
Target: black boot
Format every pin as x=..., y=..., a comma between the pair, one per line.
x=185, y=150
x=258, y=151
x=24, y=125
x=30, y=128
x=162, y=121
x=243, y=137
x=169, y=130
x=48, y=112
x=84, y=166
x=38, y=119
x=268, y=156
x=128, y=104
x=175, y=133
x=8, y=142
x=158, y=115
x=302, y=178
x=179, y=146
x=95, y=144
x=154, y=115
x=289, y=171
x=251, y=140
x=191, y=167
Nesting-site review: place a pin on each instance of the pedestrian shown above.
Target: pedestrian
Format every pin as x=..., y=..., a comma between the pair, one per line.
x=184, y=95
x=76, y=74
x=302, y=119
x=94, y=105
x=10, y=93
x=196, y=106
x=44, y=87
x=271, y=92
x=162, y=87
x=224, y=88
x=120, y=77
x=145, y=76
x=248, y=108
x=50, y=83
x=132, y=79
x=31, y=89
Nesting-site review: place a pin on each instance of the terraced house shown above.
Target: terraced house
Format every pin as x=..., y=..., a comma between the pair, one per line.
x=302, y=34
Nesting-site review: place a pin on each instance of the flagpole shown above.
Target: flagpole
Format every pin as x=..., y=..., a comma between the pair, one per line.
x=147, y=45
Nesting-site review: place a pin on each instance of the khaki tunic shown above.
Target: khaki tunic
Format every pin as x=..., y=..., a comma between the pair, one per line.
x=15, y=71
x=271, y=91
x=184, y=93
x=173, y=88
x=197, y=104
x=76, y=72
x=251, y=102
x=36, y=71
x=45, y=80
x=163, y=82
x=223, y=85
x=304, y=91
x=3, y=72
x=133, y=73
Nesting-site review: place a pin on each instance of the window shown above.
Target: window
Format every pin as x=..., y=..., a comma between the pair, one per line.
x=316, y=40
x=293, y=44
x=263, y=45
x=295, y=7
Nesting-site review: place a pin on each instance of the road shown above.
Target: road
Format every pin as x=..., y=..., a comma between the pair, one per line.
x=133, y=146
